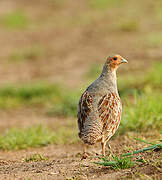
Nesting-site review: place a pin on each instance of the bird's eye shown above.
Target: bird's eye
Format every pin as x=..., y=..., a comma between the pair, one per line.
x=115, y=58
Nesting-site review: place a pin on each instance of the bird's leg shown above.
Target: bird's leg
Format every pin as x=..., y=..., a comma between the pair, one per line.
x=109, y=147
x=110, y=150
x=84, y=152
x=103, y=146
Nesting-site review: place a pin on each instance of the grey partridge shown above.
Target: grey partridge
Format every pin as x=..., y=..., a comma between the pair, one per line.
x=100, y=108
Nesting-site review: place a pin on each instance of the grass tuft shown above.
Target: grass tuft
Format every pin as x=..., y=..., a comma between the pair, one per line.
x=35, y=158
x=103, y=4
x=127, y=160
x=142, y=114
x=32, y=53
x=36, y=136
x=39, y=93
x=158, y=10
x=56, y=100
x=148, y=83
x=14, y=20
x=117, y=162
x=154, y=40
x=153, y=77
x=129, y=26
x=66, y=107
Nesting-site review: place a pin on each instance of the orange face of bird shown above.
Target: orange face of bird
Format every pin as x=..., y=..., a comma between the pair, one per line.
x=115, y=61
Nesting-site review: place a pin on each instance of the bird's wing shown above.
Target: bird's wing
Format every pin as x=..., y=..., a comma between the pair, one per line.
x=84, y=109
x=110, y=109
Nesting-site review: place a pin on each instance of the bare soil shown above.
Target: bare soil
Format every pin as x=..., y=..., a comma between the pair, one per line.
x=64, y=161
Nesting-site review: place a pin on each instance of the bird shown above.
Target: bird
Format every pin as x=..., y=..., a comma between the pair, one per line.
x=100, y=107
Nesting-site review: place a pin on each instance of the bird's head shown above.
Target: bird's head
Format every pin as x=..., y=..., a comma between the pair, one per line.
x=114, y=61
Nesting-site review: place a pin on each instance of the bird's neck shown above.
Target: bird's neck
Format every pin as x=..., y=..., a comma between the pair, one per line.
x=109, y=76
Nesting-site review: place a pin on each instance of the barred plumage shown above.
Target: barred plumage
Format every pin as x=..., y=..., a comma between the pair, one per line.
x=100, y=109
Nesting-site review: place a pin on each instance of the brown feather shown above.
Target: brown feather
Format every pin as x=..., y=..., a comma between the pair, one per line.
x=110, y=108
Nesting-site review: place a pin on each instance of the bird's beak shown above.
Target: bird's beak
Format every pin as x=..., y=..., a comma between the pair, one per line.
x=124, y=60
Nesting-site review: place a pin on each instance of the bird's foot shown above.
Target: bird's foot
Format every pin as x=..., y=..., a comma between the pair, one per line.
x=100, y=155
x=85, y=155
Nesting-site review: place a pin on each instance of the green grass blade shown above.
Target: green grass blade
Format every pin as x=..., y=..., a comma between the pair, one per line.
x=140, y=160
x=141, y=140
x=143, y=150
x=107, y=163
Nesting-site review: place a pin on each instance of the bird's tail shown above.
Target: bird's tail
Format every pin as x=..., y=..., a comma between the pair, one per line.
x=90, y=135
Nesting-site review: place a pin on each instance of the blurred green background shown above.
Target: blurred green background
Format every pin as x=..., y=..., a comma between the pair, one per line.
x=51, y=50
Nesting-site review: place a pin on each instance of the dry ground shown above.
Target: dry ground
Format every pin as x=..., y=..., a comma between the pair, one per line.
x=72, y=37
x=64, y=162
